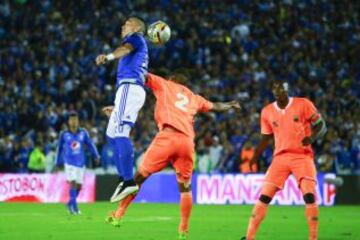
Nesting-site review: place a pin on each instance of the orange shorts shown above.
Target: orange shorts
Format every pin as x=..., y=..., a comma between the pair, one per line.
x=301, y=166
x=169, y=148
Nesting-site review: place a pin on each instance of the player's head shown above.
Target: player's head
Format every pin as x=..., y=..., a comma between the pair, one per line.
x=179, y=75
x=73, y=120
x=280, y=89
x=132, y=25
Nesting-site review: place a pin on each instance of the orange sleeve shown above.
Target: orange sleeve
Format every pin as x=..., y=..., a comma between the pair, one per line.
x=311, y=113
x=154, y=82
x=203, y=104
x=266, y=127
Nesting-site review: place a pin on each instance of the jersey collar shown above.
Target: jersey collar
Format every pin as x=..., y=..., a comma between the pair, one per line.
x=287, y=106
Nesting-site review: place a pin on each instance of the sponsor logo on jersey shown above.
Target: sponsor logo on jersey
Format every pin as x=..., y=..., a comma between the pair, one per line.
x=75, y=145
x=275, y=124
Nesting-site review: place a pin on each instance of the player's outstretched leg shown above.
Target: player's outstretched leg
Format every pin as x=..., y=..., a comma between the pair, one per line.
x=125, y=160
x=185, y=209
x=260, y=209
x=117, y=189
x=115, y=218
x=311, y=208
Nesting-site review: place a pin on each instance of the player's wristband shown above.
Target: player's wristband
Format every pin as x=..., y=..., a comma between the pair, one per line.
x=110, y=57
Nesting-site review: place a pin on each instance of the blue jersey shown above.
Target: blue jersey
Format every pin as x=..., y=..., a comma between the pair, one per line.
x=71, y=148
x=133, y=67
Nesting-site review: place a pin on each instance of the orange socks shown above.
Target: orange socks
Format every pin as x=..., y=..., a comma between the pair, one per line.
x=185, y=211
x=123, y=205
x=312, y=214
x=258, y=214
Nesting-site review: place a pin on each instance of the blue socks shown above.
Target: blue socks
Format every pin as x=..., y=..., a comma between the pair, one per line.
x=115, y=149
x=72, y=202
x=124, y=158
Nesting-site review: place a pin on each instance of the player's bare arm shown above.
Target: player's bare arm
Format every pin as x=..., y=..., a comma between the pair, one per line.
x=318, y=130
x=120, y=52
x=225, y=106
x=265, y=139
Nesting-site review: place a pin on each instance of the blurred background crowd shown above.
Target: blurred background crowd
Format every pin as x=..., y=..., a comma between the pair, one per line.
x=233, y=48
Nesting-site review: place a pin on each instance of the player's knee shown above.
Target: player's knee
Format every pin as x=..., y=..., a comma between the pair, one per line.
x=265, y=199
x=184, y=186
x=309, y=198
x=307, y=186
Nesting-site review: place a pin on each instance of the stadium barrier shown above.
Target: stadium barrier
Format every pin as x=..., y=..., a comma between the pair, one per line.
x=349, y=192
x=218, y=189
x=43, y=188
x=162, y=188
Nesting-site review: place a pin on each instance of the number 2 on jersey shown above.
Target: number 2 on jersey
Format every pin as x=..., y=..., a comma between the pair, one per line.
x=182, y=102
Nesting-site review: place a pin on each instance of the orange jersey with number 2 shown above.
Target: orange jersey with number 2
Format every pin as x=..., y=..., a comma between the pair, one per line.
x=176, y=105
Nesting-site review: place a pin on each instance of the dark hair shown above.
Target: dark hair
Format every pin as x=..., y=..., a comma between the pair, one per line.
x=277, y=81
x=73, y=114
x=282, y=83
x=181, y=73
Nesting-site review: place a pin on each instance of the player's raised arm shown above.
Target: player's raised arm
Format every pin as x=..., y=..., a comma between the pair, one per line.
x=225, y=106
x=118, y=53
x=130, y=42
x=206, y=106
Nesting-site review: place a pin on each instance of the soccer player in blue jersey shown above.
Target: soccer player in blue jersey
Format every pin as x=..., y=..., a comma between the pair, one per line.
x=130, y=97
x=71, y=152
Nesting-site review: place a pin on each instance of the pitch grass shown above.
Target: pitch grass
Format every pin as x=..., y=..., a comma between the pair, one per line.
x=27, y=221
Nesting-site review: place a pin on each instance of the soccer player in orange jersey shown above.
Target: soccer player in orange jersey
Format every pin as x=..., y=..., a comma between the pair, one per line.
x=176, y=107
x=295, y=124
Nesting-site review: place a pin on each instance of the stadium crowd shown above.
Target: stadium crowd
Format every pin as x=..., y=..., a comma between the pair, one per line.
x=233, y=49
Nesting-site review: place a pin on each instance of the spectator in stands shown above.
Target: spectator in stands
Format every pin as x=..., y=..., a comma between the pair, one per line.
x=326, y=161
x=50, y=159
x=246, y=155
x=236, y=50
x=343, y=162
x=37, y=158
x=107, y=159
x=202, y=159
x=215, y=153
x=22, y=157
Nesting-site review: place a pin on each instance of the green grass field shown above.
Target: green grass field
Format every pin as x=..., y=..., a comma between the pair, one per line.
x=159, y=221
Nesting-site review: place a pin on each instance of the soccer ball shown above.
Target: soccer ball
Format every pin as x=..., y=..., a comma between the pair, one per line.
x=159, y=32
